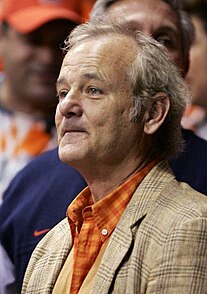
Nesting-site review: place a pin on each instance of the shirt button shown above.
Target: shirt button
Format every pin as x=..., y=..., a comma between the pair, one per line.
x=104, y=232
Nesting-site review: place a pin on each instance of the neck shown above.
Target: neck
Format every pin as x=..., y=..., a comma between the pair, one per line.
x=103, y=181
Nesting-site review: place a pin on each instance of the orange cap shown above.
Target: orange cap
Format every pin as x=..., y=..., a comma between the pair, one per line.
x=27, y=15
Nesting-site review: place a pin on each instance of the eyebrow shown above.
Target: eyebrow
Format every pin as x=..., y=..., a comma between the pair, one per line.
x=135, y=25
x=87, y=76
x=167, y=29
x=93, y=76
x=60, y=81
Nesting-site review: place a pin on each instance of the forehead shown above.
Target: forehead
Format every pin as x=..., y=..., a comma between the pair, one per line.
x=104, y=54
x=147, y=15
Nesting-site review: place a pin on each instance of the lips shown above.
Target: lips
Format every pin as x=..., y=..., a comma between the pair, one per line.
x=72, y=135
x=73, y=130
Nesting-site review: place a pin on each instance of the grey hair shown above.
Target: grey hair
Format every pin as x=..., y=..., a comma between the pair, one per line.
x=100, y=7
x=152, y=72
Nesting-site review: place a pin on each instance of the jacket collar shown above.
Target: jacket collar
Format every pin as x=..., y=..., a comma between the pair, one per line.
x=122, y=237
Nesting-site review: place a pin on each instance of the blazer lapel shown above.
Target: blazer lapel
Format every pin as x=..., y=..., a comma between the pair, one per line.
x=122, y=237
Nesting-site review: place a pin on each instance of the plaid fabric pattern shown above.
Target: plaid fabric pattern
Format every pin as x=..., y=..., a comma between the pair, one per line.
x=92, y=223
x=158, y=246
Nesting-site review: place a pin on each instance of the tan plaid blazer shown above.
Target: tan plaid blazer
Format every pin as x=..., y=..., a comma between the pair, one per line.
x=159, y=245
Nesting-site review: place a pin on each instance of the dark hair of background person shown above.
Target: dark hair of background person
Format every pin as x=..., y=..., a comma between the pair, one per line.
x=197, y=8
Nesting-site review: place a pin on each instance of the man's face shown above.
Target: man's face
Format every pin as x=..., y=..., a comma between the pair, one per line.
x=197, y=75
x=154, y=18
x=92, y=116
x=32, y=62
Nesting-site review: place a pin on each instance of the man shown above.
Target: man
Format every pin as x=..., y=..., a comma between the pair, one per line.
x=187, y=166
x=130, y=229
x=30, y=36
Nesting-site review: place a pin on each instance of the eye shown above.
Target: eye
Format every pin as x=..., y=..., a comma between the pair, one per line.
x=94, y=91
x=166, y=42
x=62, y=94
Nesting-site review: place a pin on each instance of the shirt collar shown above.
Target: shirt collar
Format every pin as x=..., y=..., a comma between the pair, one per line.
x=109, y=209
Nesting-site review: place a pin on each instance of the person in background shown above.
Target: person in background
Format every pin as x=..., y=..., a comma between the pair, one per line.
x=164, y=21
x=31, y=33
x=30, y=36
x=130, y=229
x=196, y=115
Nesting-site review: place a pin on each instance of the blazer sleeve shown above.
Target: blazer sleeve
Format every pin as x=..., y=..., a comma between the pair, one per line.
x=182, y=266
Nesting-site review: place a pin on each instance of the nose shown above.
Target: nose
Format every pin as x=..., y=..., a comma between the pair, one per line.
x=70, y=106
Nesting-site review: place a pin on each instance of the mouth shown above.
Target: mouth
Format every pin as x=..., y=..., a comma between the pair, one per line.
x=73, y=130
x=72, y=136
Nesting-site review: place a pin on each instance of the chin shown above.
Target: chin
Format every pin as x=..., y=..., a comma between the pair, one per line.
x=67, y=155
x=63, y=154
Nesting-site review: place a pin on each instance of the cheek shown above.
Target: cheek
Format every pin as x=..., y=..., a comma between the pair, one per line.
x=115, y=126
x=96, y=115
x=178, y=60
x=176, y=56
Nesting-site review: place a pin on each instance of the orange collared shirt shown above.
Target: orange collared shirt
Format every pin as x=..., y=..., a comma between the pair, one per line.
x=92, y=223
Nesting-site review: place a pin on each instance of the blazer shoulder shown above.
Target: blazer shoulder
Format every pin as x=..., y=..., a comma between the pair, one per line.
x=178, y=198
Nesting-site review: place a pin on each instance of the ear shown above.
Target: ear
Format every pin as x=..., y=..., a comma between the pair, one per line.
x=156, y=115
